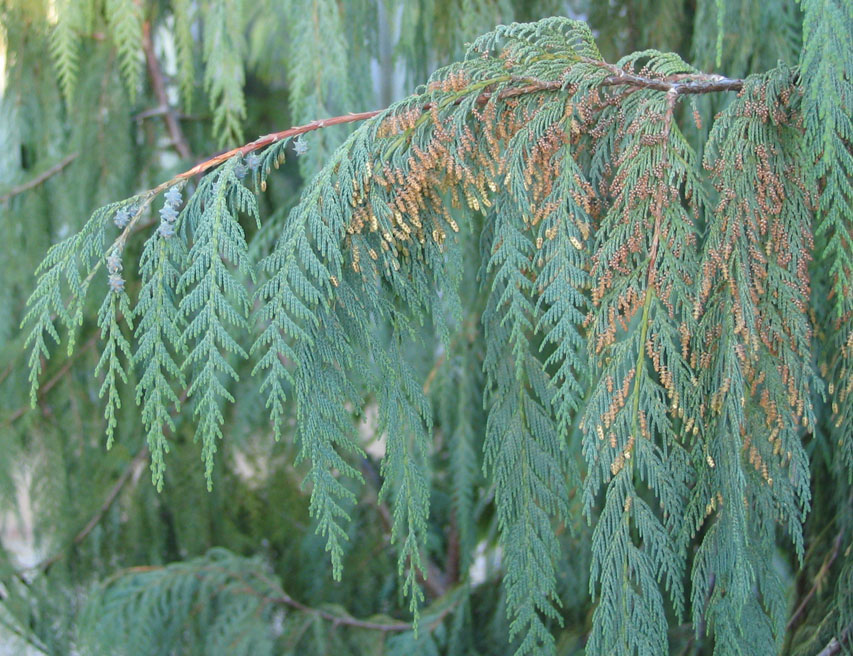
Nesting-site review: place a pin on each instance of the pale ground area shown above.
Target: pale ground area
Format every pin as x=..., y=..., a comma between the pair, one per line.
x=16, y=529
x=16, y=535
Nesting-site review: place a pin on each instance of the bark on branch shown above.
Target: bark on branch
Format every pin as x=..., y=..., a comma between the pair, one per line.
x=36, y=181
x=683, y=84
x=159, y=87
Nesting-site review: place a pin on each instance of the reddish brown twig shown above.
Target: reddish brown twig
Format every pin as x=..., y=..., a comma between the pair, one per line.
x=676, y=84
x=159, y=87
x=271, y=138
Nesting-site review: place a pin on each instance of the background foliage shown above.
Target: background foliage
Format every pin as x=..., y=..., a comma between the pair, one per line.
x=701, y=251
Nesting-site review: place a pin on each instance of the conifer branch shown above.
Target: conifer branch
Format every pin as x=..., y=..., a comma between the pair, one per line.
x=27, y=635
x=346, y=620
x=835, y=645
x=36, y=181
x=349, y=620
x=818, y=581
x=159, y=88
x=269, y=139
x=647, y=333
x=280, y=597
x=679, y=84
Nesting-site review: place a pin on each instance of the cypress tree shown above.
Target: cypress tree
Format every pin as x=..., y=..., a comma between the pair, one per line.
x=552, y=355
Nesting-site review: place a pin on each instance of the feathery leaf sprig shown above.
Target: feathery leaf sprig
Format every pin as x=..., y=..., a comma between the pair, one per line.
x=646, y=335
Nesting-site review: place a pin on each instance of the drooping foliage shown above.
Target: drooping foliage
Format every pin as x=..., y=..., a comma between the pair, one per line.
x=585, y=324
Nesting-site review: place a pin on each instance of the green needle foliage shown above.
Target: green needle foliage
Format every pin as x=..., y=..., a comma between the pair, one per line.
x=554, y=355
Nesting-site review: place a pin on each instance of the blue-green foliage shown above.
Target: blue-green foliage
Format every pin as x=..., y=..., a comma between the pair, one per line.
x=224, y=73
x=65, y=46
x=115, y=354
x=124, y=18
x=827, y=71
x=405, y=415
x=214, y=302
x=302, y=346
x=160, y=346
x=640, y=337
x=317, y=72
x=150, y=609
x=753, y=345
x=641, y=278
x=64, y=278
x=183, y=14
x=522, y=448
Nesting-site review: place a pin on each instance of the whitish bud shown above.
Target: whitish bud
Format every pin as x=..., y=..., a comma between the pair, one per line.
x=168, y=213
x=300, y=147
x=116, y=283
x=173, y=196
x=122, y=217
x=114, y=263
